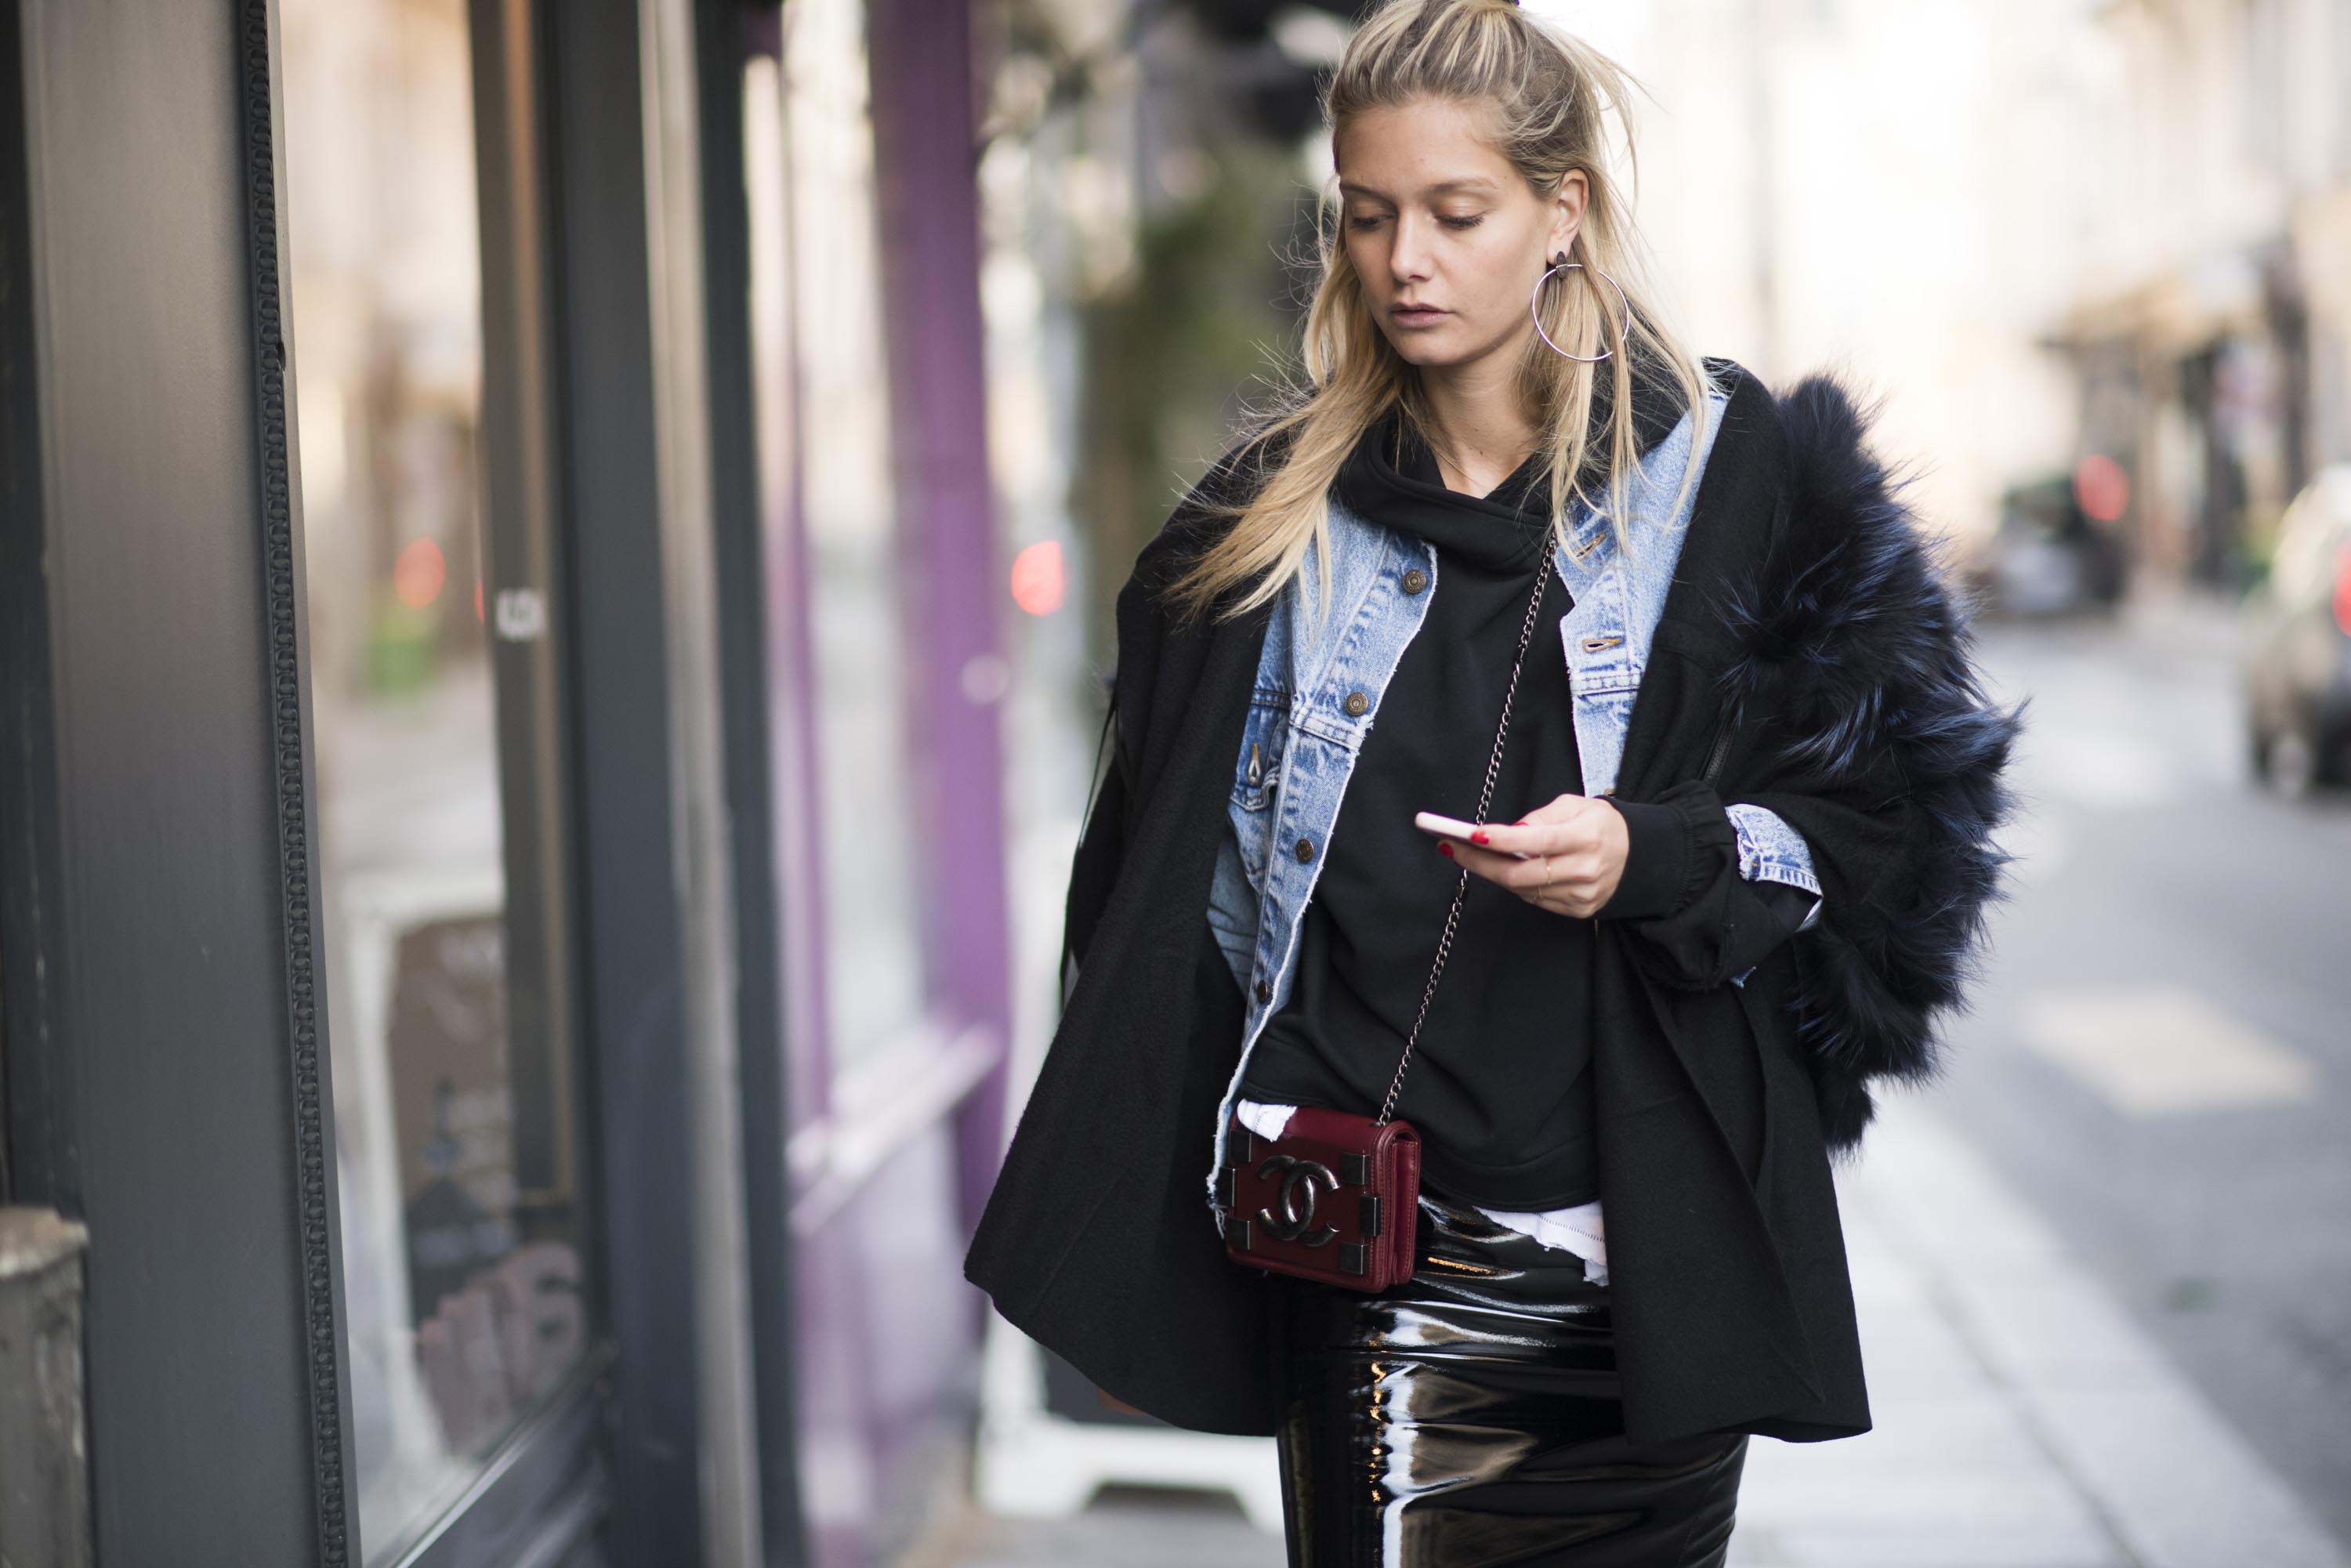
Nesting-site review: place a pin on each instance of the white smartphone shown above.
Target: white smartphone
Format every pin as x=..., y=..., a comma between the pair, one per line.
x=1446, y=827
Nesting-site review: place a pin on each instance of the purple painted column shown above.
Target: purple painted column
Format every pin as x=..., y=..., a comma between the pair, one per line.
x=921, y=68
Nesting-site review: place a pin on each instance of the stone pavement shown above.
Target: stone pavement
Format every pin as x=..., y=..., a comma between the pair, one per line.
x=2023, y=1421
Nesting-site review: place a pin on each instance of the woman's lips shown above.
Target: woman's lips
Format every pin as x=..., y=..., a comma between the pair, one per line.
x=1416, y=314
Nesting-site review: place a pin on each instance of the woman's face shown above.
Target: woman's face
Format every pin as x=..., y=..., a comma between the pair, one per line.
x=1445, y=235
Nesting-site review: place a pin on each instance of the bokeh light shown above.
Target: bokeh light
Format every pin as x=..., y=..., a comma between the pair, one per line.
x=1039, y=580
x=418, y=573
x=2101, y=486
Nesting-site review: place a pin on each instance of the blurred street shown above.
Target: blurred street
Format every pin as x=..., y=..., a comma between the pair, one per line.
x=2104, y=1269
x=2162, y=1063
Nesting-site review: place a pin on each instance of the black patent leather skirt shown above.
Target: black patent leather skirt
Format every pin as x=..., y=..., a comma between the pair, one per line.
x=1468, y=1418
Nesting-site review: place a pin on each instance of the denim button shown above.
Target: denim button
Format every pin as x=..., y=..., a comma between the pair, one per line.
x=1357, y=704
x=1264, y=992
x=1414, y=580
x=1306, y=849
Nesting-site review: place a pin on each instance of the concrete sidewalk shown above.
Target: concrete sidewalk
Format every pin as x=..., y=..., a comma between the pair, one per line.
x=2023, y=1421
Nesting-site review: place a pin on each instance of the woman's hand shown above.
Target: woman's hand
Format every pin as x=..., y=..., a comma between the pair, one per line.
x=1575, y=848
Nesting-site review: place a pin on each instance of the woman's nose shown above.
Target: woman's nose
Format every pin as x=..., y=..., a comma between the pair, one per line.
x=1408, y=260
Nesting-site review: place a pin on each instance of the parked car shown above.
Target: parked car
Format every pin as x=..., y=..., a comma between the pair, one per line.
x=2048, y=556
x=2298, y=653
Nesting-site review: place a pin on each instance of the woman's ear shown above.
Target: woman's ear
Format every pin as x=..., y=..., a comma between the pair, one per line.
x=1567, y=212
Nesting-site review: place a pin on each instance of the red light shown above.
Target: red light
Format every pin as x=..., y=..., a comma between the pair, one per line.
x=417, y=573
x=2343, y=591
x=1038, y=583
x=2101, y=486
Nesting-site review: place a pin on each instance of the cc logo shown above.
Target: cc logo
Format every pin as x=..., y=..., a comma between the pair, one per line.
x=1303, y=1182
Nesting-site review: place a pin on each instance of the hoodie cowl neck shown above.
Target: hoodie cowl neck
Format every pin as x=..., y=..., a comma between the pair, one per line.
x=1392, y=478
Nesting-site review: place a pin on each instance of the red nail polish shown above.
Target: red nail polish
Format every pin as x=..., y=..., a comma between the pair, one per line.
x=1445, y=849
x=1478, y=838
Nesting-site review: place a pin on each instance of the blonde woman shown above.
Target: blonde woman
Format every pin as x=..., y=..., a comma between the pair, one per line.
x=1713, y=784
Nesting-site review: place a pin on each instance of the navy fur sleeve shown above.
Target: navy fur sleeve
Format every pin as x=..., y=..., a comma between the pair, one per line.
x=1879, y=744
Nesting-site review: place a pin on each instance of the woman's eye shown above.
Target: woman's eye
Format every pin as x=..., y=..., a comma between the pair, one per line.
x=1373, y=220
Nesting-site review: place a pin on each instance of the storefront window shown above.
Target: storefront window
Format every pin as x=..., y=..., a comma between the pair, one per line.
x=461, y=1254
x=814, y=235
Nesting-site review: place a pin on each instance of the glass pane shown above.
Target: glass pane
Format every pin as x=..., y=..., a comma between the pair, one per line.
x=819, y=247
x=463, y=1273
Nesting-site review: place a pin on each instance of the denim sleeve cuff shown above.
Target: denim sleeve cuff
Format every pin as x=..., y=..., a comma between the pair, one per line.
x=1657, y=863
x=1771, y=851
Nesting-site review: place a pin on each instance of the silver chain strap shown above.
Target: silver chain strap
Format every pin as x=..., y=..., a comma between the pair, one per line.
x=1485, y=798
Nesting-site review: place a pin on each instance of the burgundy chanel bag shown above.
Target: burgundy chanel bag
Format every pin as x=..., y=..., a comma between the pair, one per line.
x=1337, y=1195
x=1334, y=1199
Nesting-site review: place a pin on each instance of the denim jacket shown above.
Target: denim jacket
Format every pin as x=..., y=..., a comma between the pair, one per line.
x=1317, y=694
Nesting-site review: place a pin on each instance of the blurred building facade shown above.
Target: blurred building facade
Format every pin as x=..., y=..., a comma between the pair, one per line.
x=2044, y=231
x=512, y=641
x=2209, y=316
x=2048, y=231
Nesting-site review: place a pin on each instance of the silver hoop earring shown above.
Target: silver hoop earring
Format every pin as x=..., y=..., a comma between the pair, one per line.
x=1534, y=308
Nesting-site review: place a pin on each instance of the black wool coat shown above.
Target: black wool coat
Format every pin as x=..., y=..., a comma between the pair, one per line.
x=1808, y=633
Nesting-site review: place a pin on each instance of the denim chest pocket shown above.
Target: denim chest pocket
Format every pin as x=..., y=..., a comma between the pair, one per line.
x=1257, y=777
x=1601, y=670
x=1602, y=681
x=1602, y=720
x=1256, y=770
x=1600, y=662
x=1615, y=702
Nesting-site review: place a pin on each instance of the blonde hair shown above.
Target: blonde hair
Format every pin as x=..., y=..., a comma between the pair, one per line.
x=1549, y=92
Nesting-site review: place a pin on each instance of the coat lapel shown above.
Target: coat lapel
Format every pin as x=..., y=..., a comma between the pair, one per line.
x=1677, y=1230
x=1728, y=533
